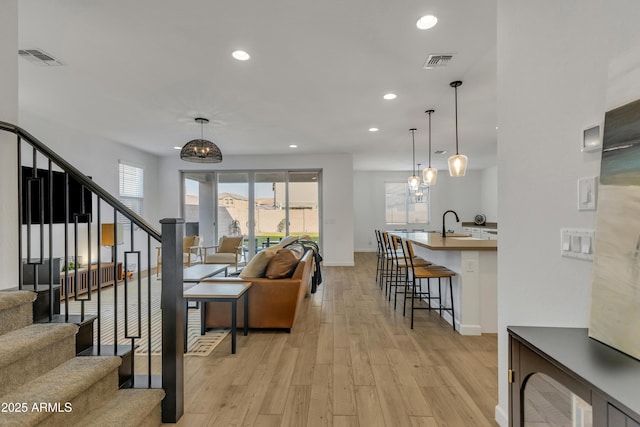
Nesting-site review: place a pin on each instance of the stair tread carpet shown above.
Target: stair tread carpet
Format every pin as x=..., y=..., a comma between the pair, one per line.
x=18, y=344
x=15, y=310
x=60, y=385
x=128, y=407
x=10, y=299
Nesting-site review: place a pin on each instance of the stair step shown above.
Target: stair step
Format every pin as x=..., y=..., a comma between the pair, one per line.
x=73, y=318
x=42, y=303
x=15, y=310
x=33, y=350
x=125, y=352
x=107, y=350
x=128, y=407
x=84, y=337
x=80, y=384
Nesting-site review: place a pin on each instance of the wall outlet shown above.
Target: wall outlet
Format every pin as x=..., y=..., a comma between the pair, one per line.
x=470, y=265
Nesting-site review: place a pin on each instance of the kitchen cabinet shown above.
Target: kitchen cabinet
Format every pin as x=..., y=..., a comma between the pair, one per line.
x=481, y=232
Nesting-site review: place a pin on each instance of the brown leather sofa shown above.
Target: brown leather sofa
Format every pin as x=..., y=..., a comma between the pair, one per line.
x=273, y=303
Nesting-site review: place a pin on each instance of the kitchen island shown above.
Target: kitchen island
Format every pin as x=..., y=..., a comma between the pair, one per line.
x=475, y=285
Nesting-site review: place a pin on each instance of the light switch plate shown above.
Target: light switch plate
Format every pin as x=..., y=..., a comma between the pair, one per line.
x=587, y=193
x=577, y=243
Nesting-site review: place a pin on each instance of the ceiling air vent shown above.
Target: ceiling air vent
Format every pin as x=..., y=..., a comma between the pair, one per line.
x=437, y=61
x=38, y=57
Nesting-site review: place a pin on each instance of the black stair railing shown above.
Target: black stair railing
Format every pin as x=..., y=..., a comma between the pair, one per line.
x=117, y=303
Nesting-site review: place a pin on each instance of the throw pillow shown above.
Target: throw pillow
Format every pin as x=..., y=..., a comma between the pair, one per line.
x=283, y=264
x=258, y=264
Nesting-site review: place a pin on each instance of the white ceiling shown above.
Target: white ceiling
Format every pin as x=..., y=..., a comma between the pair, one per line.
x=140, y=71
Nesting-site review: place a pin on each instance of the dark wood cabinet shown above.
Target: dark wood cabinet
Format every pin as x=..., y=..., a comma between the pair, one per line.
x=601, y=376
x=89, y=277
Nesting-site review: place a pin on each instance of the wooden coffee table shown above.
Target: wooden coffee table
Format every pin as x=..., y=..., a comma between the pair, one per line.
x=218, y=292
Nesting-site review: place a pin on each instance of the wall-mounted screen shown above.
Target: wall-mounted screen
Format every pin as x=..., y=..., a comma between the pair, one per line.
x=35, y=198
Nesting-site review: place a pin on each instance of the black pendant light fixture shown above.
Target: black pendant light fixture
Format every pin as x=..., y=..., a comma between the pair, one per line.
x=429, y=174
x=201, y=150
x=414, y=180
x=457, y=163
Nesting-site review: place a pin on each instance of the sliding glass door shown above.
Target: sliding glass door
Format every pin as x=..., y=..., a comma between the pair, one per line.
x=262, y=206
x=269, y=208
x=303, y=203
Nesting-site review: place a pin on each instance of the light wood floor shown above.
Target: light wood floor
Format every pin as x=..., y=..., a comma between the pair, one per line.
x=350, y=360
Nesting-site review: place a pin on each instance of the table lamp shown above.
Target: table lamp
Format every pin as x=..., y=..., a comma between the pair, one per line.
x=108, y=237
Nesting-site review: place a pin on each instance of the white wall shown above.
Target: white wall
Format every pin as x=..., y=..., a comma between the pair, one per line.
x=337, y=193
x=8, y=169
x=552, y=82
x=464, y=195
x=490, y=194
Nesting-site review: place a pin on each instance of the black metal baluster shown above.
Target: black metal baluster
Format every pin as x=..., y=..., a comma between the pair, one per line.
x=149, y=310
x=115, y=283
x=50, y=190
x=20, y=213
x=66, y=247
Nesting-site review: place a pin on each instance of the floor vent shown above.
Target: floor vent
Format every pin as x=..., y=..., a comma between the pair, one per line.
x=437, y=61
x=38, y=57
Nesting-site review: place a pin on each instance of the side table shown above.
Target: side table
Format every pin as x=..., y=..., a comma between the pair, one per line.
x=218, y=292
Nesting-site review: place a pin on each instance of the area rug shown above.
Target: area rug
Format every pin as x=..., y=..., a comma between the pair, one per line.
x=197, y=345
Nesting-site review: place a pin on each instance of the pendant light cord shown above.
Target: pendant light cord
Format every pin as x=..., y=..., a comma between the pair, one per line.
x=430, y=138
x=456, y=90
x=413, y=137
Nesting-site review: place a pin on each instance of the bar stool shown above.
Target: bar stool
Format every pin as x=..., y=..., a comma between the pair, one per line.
x=396, y=266
x=381, y=258
x=402, y=264
x=428, y=272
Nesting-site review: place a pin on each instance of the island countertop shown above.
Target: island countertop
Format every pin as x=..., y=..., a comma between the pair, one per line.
x=453, y=242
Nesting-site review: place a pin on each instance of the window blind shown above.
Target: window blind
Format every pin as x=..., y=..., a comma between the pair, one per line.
x=131, y=183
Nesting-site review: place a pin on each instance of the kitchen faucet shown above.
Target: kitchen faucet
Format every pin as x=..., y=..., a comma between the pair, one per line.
x=444, y=230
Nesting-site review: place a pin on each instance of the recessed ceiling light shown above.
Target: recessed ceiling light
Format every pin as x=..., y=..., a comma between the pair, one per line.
x=293, y=146
x=390, y=96
x=440, y=152
x=240, y=55
x=426, y=22
x=177, y=148
x=373, y=129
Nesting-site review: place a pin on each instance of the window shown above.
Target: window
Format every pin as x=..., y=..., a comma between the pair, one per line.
x=404, y=207
x=131, y=183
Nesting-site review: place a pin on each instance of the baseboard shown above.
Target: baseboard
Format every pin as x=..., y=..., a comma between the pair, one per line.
x=501, y=417
x=469, y=329
x=337, y=264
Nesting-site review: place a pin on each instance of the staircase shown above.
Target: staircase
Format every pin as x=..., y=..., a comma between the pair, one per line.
x=43, y=382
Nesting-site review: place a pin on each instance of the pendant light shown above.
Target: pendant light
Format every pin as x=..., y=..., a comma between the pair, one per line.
x=429, y=174
x=201, y=150
x=414, y=181
x=457, y=163
x=419, y=193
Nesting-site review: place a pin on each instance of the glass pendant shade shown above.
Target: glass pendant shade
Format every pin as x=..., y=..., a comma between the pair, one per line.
x=414, y=182
x=457, y=165
x=201, y=150
x=430, y=176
